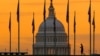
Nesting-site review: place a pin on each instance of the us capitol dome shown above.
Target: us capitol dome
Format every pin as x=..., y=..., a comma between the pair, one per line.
x=45, y=38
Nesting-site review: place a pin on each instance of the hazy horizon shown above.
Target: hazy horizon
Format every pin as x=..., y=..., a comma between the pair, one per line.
x=81, y=38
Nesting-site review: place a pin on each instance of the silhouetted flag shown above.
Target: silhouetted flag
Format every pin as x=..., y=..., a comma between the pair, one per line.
x=33, y=25
x=18, y=12
x=89, y=12
x=74, y=22
x=44, y=13
x=67, y=15
x=10, y=22
x=93, y=23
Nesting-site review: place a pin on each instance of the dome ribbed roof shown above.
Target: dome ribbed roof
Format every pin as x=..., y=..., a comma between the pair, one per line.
x=50, y=25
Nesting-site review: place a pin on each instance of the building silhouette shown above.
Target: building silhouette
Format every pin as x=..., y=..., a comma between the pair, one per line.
x=62, y=45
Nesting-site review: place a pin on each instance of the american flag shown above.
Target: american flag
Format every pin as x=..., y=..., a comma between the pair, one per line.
x=67, y=15
x=33, y=25
x=89, y=12
x=93, y=23
x=18, y=13
x=10, y=22
x=74, y=22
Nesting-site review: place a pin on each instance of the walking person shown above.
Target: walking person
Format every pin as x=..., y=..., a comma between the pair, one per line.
x=82, y=49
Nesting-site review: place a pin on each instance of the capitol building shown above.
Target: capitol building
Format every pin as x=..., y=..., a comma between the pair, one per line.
x=45, y=41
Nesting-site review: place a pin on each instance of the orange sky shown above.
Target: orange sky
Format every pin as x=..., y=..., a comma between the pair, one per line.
x=36, y=6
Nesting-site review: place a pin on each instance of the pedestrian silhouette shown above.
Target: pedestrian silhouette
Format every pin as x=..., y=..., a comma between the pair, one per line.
x=82, y=49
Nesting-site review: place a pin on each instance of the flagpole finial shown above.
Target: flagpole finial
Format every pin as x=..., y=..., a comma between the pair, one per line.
x=74, y=14
x=18, y=0
x=10, y=13
x=51, y=1
x=94, y=12
x=94, y=15
x=44, y=2
x=33, y=14
x=90, y=2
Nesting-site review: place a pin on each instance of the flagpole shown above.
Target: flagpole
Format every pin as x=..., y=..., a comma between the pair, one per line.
x=68, y=26
x=93, y=42
x=68, y=36
x=44, y=14
x=10, y=41
x=18, y=20
x=89, y=13
x=90, y=37
x=33, y=43
x=90, y=28
x=74, y=34
x=33, y=32
x=74, y=43
x=68, y=33
x=10, y=32
x=55, y=39
x=19, y=36
x=94, y=34
x=45, y=38
x=67, y=19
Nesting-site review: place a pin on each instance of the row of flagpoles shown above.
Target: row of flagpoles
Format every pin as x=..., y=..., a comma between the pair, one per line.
x=18, y=20
x=93, y=23
x=67, y=20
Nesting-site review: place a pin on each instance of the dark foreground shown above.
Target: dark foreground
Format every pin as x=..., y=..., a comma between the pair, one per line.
x=26, y=54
